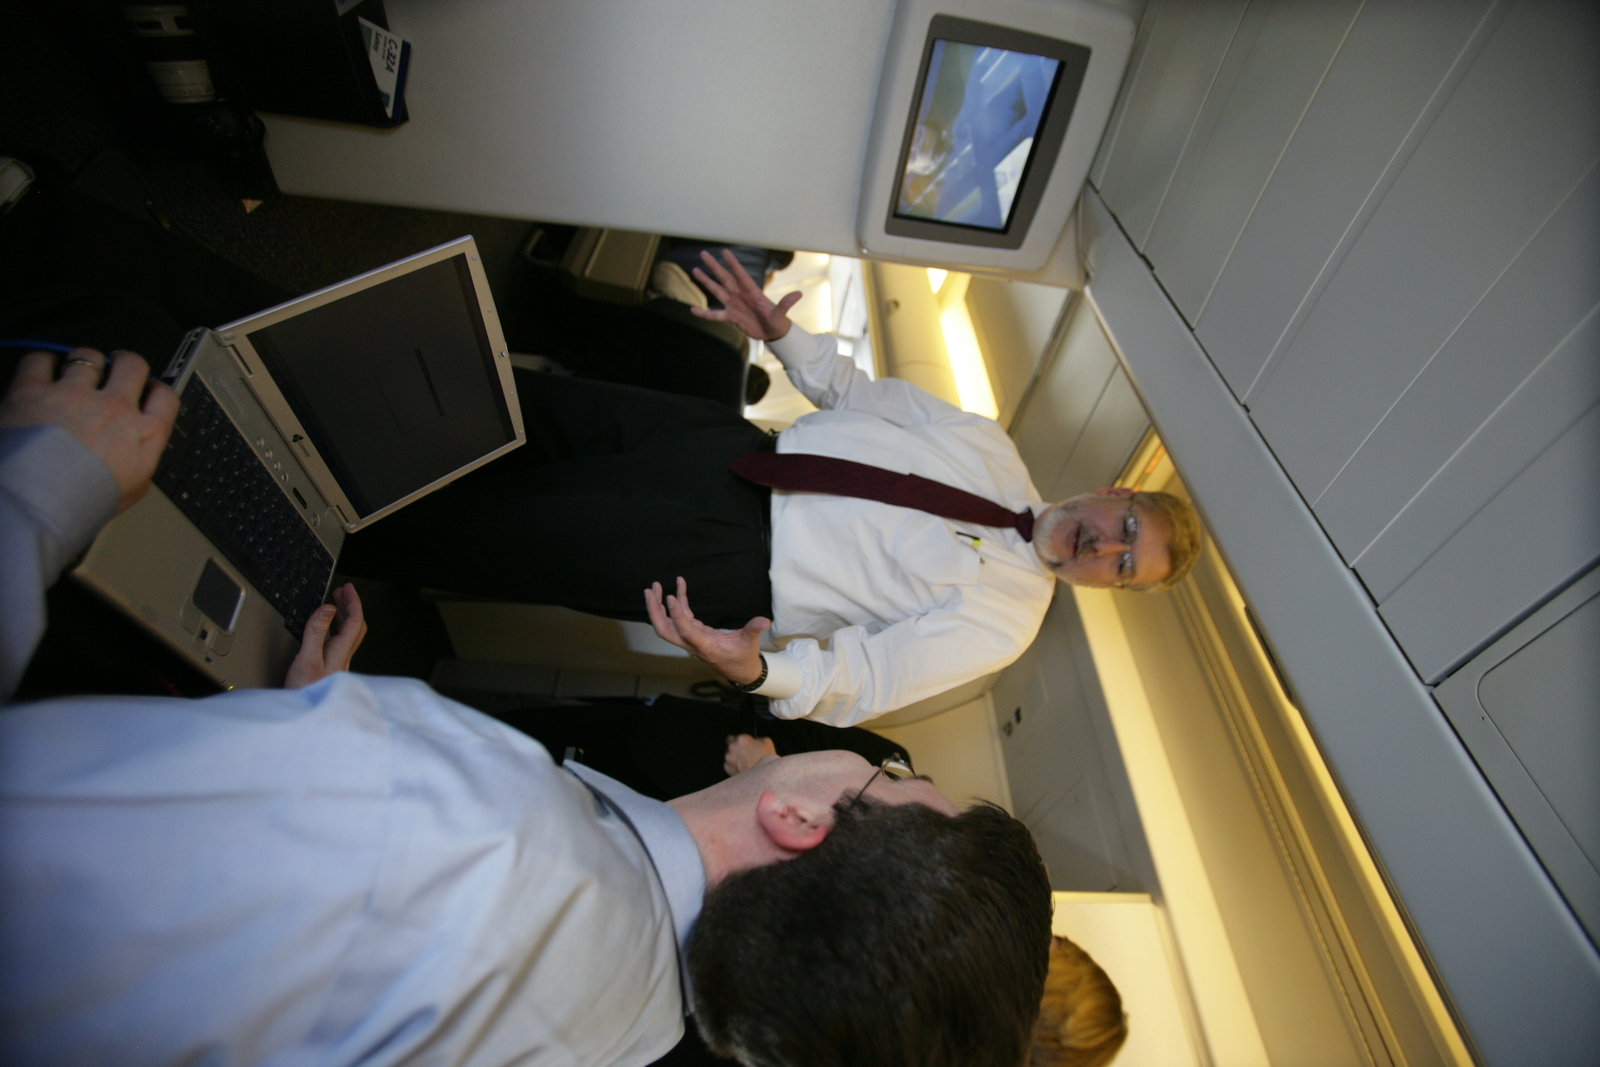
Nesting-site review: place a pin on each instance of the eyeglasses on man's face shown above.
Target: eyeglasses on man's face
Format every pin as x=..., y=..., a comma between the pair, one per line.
x=1130, y=534
x=894, y=768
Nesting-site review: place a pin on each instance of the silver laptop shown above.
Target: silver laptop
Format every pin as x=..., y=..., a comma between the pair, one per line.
x=299, y=425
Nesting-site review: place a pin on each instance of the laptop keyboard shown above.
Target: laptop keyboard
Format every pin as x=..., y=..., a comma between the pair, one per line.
x=210, y=471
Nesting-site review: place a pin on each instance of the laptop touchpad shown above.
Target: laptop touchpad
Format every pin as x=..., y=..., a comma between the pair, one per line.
x=218, y=596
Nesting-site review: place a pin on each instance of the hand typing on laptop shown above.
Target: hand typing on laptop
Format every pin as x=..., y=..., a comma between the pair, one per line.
x=325, y=648
x=110, y=405
x=123, y=418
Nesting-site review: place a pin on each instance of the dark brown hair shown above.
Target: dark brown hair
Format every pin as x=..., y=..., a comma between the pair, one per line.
x=907, y=937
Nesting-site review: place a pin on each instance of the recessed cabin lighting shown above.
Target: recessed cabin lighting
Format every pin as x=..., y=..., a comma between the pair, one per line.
x=966, y=362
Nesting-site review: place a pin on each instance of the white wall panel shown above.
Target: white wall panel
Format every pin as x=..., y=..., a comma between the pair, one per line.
x=1065, y=770
x=959, y=749
x=1295, y=1000
x=1271, y=72
x=1557, y=394
x=1531, y=539
x=1014, y=322
x=728, y=119
x=1114, y=429
x=1047, y=429
x=1518, y=132
x=1083, y=419
x=1354, y=133
x=1184, y=47
x=1552, y=287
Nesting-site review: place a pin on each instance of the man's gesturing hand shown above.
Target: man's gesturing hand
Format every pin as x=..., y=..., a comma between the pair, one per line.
x=735, y=654
x=125, y=423
x=743, y=302
x=321, y=655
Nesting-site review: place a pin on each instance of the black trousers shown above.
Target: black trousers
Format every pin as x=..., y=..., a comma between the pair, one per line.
x=617, y=487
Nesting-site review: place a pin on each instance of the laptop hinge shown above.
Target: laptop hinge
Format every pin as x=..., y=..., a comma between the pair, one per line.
x=238, y=360
x=185, y=353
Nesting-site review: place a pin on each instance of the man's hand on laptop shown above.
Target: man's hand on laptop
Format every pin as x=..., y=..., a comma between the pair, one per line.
x=333, y=633
x=111, y=406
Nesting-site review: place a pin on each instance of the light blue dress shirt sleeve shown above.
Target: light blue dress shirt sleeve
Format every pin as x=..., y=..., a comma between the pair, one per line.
x=54, y=497
x=357, y=872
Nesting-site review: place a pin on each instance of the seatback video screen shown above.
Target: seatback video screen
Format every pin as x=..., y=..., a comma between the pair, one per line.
x=977, y=123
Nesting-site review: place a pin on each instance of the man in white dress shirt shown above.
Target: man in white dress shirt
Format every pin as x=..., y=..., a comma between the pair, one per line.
x=915, y=604
x=878, y=606
x=361, y=871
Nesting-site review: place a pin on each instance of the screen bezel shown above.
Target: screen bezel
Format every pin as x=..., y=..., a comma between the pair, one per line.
x=315, y=422
x=1074, y=60
x=234, y=337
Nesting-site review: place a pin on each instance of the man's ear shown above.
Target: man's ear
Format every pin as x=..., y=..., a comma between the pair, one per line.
x=793, y=825
x=1114, y=490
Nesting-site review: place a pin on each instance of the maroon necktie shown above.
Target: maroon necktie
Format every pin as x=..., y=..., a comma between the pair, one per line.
x=802, y=472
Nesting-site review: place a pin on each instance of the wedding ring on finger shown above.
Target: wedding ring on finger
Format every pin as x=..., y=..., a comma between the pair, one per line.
x=98, y=368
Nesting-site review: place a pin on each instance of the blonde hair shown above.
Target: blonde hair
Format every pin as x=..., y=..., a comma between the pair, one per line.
x=1081, y=1023
x=1183, y=547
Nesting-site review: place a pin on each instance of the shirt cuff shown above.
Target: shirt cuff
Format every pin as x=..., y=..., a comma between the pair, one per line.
x=784, y=677
x=794, y=345
x=61, y=485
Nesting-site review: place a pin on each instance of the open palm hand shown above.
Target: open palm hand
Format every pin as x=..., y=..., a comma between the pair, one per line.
x=735, y=654
x=743, y=302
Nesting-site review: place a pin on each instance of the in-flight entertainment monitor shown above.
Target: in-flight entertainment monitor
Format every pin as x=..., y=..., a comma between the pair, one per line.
x=992, y=108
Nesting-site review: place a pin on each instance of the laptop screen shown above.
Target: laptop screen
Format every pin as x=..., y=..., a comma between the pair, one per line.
x=395, y=384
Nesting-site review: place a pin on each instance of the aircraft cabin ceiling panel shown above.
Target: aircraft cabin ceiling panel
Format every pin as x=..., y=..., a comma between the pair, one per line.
x=1405, y=322
x=1272, y=71
x=1176, y=57
x=1526, y=543
x=1353, y=138
x=1507, y=150
x=1532, y=727
x=1544, y=407
x=1519, y=331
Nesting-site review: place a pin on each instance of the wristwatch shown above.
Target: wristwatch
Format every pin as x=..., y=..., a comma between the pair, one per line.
x=751, y=687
